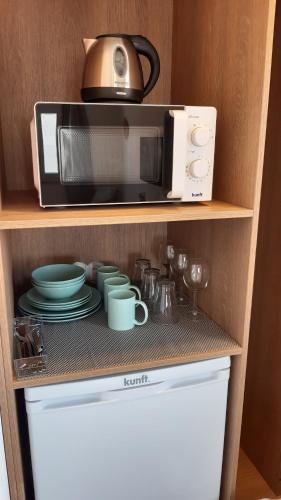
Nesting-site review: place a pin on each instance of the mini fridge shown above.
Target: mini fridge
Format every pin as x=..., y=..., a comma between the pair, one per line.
x=152, y=435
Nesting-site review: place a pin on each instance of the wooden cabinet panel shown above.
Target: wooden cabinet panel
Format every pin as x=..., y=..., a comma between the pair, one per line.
x=110, y=244
x=42, y=57
x=221, y=56
x=221, y=53
x=261, y=432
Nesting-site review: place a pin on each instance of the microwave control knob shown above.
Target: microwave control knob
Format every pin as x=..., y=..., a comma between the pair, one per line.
x=200, y=136
x=199, y=168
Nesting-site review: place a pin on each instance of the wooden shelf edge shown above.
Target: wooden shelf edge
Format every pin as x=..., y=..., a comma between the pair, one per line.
x=119, y=370
x=22, y=211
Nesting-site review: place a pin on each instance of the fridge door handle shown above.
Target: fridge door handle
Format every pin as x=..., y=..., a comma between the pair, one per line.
x=162, y=387
x=127, y=393
x=99, y=398
x=206, y=378
x=136, y=392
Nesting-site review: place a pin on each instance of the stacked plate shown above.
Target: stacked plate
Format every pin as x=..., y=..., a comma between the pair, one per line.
x=85, y=302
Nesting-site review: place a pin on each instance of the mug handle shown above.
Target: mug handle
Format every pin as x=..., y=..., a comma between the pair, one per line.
x=133, y=287
x=144, y=306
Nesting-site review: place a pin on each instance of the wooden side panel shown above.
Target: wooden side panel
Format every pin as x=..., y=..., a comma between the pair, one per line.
x=226, y=247
x=219, y=54
x=261, y=433
x=42, y=57
x=226, y=63
x=2, y=170
x=110, y=244
x=250, y=484
x=6, y=315
x=7, y=430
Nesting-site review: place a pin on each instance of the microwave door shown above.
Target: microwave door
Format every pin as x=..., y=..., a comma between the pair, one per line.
x=178, y=131
x=129, y=159
x=108, y=154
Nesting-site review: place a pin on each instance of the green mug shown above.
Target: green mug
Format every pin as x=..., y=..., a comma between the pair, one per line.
x=104, y=272
x=117, y=283
x=122, y=310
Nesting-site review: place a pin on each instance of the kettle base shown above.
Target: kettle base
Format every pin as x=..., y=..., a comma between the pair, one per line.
x=103, y=94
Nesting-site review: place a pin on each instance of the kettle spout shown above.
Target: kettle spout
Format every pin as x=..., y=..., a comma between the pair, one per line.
x=88, y=43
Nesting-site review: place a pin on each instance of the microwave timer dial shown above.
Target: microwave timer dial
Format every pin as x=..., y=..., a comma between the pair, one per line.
x=200, y=136
x=199, y=168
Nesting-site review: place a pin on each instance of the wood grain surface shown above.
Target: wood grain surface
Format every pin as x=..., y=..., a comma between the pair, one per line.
x=42, y=58
x=250, y=484
x=21, y=210
x=219, y=53
x=201, y=355
x=261, y=434
x=7, y=314
x=119, y=245
x=221, y=57
x=2, y=170
x=225, y=245
x=226, y=62
x=7, y=430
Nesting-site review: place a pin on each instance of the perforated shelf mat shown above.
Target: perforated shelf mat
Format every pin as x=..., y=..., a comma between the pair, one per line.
x=89, y=345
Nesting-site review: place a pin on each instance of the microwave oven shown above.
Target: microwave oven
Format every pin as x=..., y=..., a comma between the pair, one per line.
x=107, y=154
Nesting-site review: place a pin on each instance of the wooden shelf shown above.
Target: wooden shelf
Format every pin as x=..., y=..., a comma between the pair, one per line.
x=21, y=211
x=88, y=348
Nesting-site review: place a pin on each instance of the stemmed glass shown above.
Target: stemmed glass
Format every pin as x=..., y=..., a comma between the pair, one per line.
x=179, y=265
x=196, y=278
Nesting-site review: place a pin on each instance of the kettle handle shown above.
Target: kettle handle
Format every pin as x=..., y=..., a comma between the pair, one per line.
x=144, y=47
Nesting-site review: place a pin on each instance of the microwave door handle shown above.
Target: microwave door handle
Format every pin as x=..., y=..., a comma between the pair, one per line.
x=179, y=153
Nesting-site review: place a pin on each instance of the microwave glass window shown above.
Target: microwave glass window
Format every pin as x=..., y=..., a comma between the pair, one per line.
x=110, y=155
x=49, y=133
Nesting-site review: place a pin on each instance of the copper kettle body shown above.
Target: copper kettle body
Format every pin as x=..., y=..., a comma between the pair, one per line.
x=113, y=70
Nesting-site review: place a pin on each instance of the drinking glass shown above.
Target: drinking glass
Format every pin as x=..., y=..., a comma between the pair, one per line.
x=179, y=266
x=196, y=278
x=148, y=286
x=164, y=306
x=140, y=266
x=167, y=252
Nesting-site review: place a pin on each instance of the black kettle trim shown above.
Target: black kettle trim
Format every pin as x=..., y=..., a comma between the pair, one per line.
x=114, y=35
x=103, y=94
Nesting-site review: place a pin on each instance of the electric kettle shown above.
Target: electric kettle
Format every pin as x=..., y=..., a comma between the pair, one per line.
x=113, y=69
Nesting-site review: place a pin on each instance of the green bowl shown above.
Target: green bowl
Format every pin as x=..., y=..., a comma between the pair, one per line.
x=59, y=292
x=59, y=283
x=58, y=275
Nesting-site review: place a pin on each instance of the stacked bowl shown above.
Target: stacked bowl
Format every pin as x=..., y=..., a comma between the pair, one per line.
x=58, y=281
x=59, y=294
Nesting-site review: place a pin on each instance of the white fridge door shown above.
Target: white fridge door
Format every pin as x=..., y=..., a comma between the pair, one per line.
x=4, y=486
x=158, y=442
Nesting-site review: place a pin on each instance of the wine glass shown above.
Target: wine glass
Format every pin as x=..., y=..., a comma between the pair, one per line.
x=196, y=278
x=179, y=265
